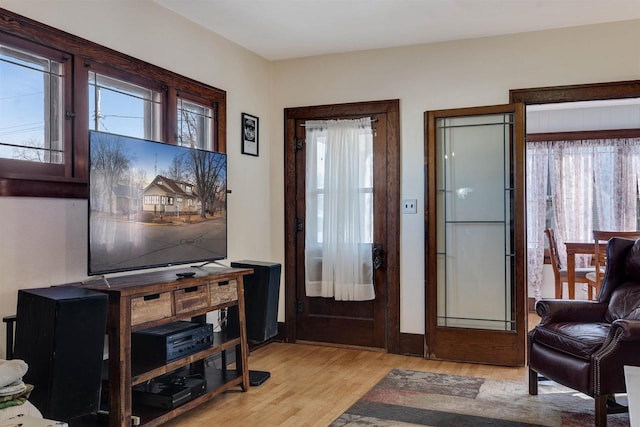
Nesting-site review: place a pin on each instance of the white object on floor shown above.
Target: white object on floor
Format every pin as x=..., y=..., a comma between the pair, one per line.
x=28, y=421
x=632, y=380
x=26, y=409
x=11, y=371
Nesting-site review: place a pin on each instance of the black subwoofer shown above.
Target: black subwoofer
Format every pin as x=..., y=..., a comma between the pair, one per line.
x=60, y=334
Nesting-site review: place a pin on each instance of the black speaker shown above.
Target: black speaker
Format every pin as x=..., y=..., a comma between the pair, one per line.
x=261, y=294
x=60, y=334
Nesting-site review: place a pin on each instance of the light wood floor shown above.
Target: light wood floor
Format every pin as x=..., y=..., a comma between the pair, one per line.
x=311, y=385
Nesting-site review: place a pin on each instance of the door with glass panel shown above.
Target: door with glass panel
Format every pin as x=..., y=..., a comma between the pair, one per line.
x=342, y=190
x=475, y=246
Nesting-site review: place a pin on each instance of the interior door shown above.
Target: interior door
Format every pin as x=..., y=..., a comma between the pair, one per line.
x=475, y=214
x=372, y=323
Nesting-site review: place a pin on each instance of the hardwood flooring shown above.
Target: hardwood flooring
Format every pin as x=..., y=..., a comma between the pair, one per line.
x=311, y=385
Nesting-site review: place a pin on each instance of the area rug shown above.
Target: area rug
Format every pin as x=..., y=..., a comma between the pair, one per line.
x=412, y=398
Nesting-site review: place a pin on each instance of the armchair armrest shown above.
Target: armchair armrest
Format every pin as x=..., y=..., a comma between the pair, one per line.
x=628, y=328
x=560, y=310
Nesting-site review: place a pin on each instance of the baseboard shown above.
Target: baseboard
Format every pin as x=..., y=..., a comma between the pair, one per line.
x=282, y=332
x=412, y=344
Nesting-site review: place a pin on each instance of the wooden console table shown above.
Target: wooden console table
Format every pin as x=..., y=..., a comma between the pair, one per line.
x=142, y=301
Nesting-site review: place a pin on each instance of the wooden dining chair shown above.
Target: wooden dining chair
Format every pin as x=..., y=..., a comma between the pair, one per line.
x=601, y=239
x=560, y=273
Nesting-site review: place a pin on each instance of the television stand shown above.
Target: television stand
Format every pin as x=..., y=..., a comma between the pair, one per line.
x=143, y=301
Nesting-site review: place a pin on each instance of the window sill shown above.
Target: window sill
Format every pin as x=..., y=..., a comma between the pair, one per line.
x=43, y=186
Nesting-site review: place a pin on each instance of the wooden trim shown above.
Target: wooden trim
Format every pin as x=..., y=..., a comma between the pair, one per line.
x=583, y=135
x=570, y=93
x=393, y=230
x=290, y=233
x=44, y=187
x=412, y=344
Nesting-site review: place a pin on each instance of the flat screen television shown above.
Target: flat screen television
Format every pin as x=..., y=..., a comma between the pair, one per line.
x=153, y=204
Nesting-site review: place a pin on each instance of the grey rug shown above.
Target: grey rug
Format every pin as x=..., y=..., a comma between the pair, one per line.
x=410, y=398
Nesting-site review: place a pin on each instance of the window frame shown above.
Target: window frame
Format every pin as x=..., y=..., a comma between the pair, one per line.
x=70, y=180
x=56, y=171
x=195, y=99
x=129, y=79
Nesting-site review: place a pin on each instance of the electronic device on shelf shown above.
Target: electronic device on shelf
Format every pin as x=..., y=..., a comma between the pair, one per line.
x=169, y=391
x=141, y=215
x=158, y=346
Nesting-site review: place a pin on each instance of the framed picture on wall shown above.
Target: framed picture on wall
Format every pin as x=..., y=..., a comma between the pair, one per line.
x=249, y=134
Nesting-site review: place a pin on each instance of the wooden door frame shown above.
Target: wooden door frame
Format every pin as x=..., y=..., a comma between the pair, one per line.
x=574, y=93
x=392, y=249
x=571, y=93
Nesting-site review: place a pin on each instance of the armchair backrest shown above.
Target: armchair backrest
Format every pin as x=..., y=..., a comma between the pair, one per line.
x=621, y=282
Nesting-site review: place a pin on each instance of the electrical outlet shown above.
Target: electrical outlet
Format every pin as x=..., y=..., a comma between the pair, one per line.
x=410, y=206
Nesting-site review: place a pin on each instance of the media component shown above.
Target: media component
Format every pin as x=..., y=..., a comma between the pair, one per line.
x=158, y=346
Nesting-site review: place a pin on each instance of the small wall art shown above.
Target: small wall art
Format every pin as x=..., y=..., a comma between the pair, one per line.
x=250, y=134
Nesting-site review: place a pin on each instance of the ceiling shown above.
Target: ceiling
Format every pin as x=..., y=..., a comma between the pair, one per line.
x=284, y=29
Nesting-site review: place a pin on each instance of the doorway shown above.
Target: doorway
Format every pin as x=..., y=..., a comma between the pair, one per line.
x=372, y=323
x=581, y=116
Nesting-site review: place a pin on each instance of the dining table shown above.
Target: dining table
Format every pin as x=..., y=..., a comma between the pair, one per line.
x=573, y=248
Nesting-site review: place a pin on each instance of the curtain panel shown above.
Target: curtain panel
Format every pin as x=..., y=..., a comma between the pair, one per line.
x=537, y=181
x=339, y=209
x=593, y=184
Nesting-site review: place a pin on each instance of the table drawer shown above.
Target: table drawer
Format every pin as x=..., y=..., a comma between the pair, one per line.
x=150, y=307
x=223, y=291
x=191, y=299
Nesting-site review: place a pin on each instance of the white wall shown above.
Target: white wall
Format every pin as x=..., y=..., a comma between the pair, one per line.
x=43, y=241
x=445, y=75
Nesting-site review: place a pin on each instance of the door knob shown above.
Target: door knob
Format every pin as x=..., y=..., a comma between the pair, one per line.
x=377, y=255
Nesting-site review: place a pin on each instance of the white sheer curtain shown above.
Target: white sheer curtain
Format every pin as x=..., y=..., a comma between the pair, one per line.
x=572, y=192
x=537, y=181
x=614, y=177
x=339, y=209
x=594, y=184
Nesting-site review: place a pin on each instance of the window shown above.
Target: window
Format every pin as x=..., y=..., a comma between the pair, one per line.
x=55, y=87
x=116, y=106
x=151, y=200
x=31, y=106
x=195, y=124
x=34, y=135
x=598, y=176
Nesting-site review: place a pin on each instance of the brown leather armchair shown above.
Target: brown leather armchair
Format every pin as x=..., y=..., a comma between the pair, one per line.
x=585, y=344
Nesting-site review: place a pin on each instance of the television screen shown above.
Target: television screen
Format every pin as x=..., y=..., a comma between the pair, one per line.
x=153, y=204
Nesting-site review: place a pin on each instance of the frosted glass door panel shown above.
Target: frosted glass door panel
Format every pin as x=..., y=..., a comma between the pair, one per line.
x=473, y=171
x=473, y=292
x=474, y=203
